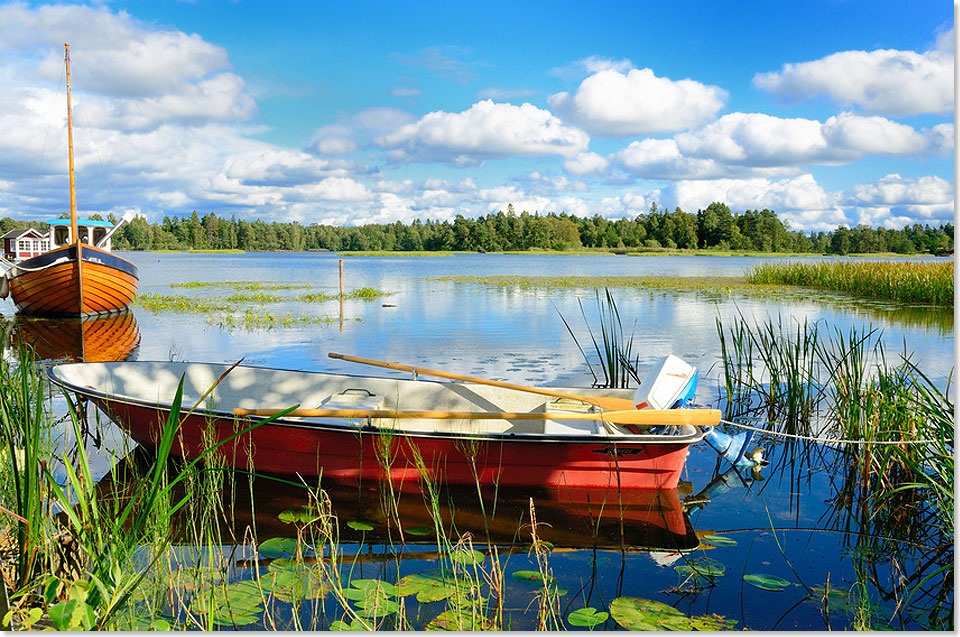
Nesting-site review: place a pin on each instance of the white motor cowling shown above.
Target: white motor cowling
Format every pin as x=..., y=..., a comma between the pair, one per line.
x=671, y=383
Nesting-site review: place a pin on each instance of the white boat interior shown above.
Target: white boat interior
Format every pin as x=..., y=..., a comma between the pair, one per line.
x=155, y=383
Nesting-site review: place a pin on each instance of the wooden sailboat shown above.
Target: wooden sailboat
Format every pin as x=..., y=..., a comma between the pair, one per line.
x=75, y=279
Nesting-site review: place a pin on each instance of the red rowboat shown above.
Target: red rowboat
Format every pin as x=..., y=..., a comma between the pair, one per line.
x=550, y=451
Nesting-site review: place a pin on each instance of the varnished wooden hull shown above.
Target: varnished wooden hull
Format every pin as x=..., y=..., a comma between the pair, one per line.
x=113, y=337
x=48, y=285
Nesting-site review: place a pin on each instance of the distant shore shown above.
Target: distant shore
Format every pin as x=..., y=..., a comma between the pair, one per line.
x=631, y=252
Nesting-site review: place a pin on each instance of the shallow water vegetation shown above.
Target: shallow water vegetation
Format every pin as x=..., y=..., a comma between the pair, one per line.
x=895, y=462
x=904, y=281
x=253, y=319
x=242, y=285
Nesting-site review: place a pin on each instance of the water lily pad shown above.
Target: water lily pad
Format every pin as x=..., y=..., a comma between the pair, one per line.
x=294, y=585
x=460, y=619
x=238, y=604
x=360, y=525
x=431, y=586
x=634, y=613
x=712, y=623
x=353, y=625
x=419, y=530
x=528, y=576
x=303, y=515
x=702, y=568
x=766, y=582
x=372, y=597
x=587, y=617
x=467, y=557
x=719, y=540
x=837, y=598
x=278, y=547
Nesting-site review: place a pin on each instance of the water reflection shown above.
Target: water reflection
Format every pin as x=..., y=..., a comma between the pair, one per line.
x=570, y=518
x=113, y=337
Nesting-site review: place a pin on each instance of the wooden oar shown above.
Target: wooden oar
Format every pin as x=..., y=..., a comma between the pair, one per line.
x=645, y=417
x=603, y=402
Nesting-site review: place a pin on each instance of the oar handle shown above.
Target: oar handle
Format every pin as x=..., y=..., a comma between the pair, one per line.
x=604, y=402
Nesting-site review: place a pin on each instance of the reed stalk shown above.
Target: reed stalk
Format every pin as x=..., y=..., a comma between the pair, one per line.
x=616, y=361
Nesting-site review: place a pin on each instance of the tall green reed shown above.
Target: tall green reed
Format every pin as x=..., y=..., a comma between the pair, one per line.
x=27, y=448
x=904, y=281
x=616, y=361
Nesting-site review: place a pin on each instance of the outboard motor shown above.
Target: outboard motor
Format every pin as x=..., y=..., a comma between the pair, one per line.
x=672, y=384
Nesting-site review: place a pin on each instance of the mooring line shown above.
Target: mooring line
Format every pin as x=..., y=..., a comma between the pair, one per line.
x=830, y=440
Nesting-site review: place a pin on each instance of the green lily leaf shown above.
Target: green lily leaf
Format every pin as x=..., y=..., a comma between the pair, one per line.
x=766, y=582
x=360, y=525
x=278, y=547
x=431, y=586
x=461, y=619
x=303, y=515
x=719, y=540
x=702, y=568
x=587, y=617
x=634, y=613
x=712, y=623
x=353, y=625
x=466, y=557
x=419, y=530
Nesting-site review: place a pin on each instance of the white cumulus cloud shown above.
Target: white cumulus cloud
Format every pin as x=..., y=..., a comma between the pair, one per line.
x=485, y=130
x=586, y=163
x=885, y=81
x=613, y=103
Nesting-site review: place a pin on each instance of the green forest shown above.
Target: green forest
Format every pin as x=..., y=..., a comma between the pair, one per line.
x=714, y=228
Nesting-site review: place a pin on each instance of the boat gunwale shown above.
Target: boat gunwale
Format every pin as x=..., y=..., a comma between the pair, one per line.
x=69, y=251
x=324, y=425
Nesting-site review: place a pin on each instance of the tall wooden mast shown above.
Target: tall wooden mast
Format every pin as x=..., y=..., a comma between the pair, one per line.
x=73, y=185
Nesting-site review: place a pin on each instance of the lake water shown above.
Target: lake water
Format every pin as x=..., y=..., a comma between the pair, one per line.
x=781, y=520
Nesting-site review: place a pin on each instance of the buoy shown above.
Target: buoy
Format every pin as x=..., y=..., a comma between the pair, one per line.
x=4, y=286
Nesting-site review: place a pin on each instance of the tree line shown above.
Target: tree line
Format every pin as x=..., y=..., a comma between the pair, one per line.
x=715, y=227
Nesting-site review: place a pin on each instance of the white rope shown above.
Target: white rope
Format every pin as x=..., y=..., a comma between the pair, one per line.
x=831, y=440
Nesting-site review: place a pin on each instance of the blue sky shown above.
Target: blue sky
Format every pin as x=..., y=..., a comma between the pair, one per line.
x=829, y=113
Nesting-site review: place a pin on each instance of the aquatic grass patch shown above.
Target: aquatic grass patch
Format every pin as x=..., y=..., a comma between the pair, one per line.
x=364, y=293
x=253, y=319
x=242, y=285
x=902, y=281
x=157, y=303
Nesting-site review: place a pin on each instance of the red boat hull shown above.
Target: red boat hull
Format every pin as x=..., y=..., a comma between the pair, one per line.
x=368, y=453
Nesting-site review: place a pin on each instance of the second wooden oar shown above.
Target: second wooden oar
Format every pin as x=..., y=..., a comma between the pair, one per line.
x=604, y=402
x=645, y=417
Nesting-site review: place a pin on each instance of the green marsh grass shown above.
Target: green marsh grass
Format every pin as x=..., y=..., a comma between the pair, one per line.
x=904, y=281
x=615, y=357
x=242, y=285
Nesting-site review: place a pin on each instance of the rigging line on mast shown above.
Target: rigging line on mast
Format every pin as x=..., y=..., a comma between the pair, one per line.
x=93, y=141
x=43, y=149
